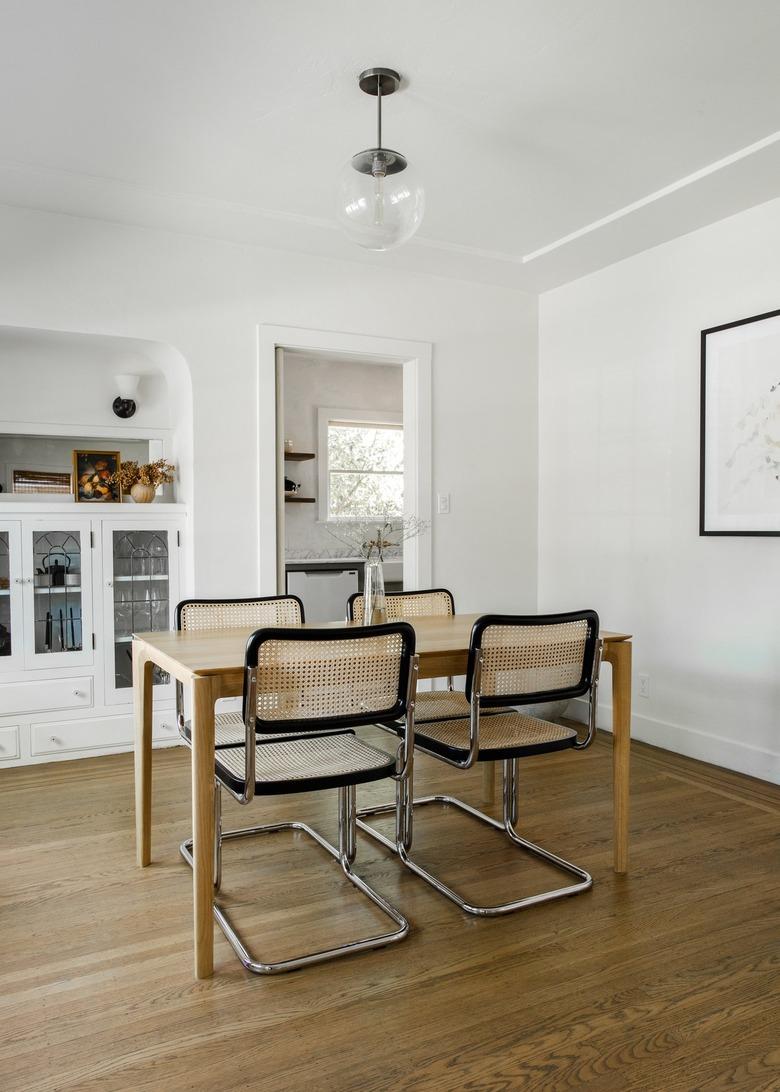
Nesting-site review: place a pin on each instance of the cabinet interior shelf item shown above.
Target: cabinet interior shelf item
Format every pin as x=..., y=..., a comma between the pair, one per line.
x=141, y=576
x=293, y=498
x=298, y=456
x=5, y=591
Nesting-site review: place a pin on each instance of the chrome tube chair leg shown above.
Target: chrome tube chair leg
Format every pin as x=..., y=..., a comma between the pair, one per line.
x=344, y=854
x=405, y=803
x=404, y=812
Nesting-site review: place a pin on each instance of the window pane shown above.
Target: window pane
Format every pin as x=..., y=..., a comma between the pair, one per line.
x=360, y=495
x=365, y=447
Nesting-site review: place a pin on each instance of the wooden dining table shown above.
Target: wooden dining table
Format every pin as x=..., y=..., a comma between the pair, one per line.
x=210, y=664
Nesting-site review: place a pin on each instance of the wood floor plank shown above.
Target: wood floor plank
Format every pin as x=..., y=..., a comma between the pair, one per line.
x=665, y=979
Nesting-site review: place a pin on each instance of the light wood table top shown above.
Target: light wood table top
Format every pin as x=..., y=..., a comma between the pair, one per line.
x=222, y=651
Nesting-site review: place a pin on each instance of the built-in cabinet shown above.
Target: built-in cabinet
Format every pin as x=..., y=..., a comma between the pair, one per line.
x=75, y=583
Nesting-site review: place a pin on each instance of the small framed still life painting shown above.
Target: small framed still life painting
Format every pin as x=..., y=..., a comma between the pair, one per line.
x=739, y=491
x=95, y=476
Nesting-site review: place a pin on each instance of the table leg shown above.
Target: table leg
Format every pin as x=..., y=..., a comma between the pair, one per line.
x=488, y=782
x=143, y=692
x=203, y=822
x=618, y=654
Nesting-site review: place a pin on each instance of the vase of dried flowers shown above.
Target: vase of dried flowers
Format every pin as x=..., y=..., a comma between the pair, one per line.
x=141, y=482
x=374, y=605
x=371, y=542
x=143, y=494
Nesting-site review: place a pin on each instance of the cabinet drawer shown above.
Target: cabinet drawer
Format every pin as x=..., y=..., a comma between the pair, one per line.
x=9, y=744
x=164, y=726
x=40, y=695
x=100, y=733
x=53, y=737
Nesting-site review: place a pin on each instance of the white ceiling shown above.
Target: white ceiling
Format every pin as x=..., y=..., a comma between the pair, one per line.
x=528, y=120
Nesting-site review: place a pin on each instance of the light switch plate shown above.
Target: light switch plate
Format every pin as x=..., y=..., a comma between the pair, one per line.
x=443, y=504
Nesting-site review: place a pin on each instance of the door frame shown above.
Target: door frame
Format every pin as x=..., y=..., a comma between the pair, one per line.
x=415, y=358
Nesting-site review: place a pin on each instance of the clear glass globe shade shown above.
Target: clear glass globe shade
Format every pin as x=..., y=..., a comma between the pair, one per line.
x=379, y=213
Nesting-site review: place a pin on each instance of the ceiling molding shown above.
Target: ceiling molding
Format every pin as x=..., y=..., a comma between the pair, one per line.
x=657, y=195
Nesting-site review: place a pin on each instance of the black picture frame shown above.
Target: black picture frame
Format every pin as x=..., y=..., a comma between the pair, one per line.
x=704, y=532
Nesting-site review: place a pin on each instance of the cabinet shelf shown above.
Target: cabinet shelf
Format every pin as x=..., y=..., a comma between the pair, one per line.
x=298, y=456
x=58, y=589
x=140, y=576
x=293, y=498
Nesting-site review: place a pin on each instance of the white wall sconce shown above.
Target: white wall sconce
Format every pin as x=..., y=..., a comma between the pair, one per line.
x=124, y=406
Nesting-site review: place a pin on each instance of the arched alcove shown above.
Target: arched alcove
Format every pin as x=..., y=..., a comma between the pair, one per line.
x=57, y=383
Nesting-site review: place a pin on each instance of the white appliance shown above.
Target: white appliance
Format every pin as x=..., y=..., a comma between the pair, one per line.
x=324, y=592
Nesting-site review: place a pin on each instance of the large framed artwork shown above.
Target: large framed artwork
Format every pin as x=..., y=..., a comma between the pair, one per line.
x=740, y=427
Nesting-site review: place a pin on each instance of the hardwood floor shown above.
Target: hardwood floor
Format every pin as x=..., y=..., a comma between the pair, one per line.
x=663, y=980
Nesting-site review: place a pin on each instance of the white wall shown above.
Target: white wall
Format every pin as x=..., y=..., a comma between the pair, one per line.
x=206, y=299
x=51, y=378
x=619, y=466
x=308, y=385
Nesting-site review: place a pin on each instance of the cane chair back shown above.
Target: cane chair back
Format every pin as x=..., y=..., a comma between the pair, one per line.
x=407, y=604
x=193, y=615
x=531, y=659
x=329, y=678
x=271, y=610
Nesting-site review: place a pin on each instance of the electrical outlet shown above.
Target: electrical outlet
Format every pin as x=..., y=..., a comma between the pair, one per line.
x=644, y=686
x=443, y=504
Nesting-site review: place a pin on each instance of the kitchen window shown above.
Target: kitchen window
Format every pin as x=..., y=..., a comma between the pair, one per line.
x=361, y=456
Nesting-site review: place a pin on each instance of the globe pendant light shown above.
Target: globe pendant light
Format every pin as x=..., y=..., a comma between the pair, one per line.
x=381, y=203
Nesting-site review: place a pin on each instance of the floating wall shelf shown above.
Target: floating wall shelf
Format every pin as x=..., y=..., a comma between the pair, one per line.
x=298, y=456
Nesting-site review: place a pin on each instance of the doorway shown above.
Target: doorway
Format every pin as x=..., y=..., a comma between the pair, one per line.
x=336, y=406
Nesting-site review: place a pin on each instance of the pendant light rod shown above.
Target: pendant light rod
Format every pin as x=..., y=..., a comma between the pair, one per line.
x=378, y=111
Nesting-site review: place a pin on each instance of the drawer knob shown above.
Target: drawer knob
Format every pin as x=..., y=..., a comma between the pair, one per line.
x=78, y=694
x=55, y=739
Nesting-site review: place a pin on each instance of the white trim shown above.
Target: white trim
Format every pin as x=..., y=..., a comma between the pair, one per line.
x=416, y=358
x=731, y=754
x=325, y=415
x=656, y=195
x=48, y=429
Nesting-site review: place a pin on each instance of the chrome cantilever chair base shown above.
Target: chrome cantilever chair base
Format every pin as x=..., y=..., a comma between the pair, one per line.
x=344, y=854
x=506, y=825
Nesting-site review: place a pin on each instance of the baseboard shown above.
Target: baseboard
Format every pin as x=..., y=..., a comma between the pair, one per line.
x=732, y=754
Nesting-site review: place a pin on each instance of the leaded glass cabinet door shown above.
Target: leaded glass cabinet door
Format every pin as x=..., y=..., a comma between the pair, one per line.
x=11, y=584
x=57, y=562
x=141, y=570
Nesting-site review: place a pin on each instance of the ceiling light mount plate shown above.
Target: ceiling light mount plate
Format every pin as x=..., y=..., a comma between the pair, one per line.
x=375, y=79
x=365, y=162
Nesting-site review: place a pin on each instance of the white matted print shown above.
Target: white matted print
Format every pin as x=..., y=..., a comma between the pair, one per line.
x=740, y=428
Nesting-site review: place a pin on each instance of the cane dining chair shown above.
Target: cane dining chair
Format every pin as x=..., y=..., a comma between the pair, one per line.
x=513, y=660
x=433, y=602
x=198, y=614
x=297, y=685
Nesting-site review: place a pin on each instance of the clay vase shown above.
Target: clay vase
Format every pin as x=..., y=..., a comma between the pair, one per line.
x=142, y=494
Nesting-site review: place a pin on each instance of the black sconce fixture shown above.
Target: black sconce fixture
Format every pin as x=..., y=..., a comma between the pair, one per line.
x=124, y=406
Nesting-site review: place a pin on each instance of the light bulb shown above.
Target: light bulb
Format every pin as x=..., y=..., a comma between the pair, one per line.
x=379, y=199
